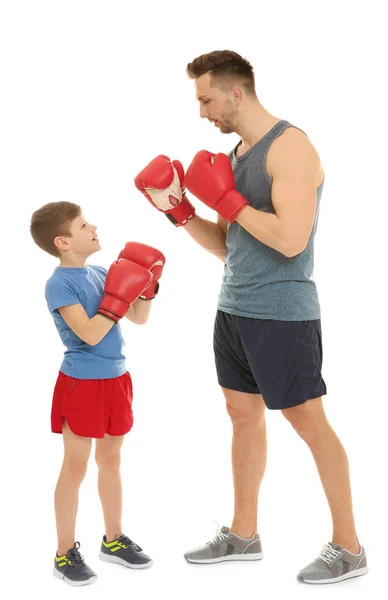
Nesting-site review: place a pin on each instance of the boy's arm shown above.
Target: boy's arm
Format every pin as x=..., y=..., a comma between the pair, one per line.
x=91, y=331
x=124, y=283
x=139, y=311
x=152, y=259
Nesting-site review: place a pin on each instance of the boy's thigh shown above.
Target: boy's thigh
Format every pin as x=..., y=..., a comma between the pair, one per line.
x=76, y=447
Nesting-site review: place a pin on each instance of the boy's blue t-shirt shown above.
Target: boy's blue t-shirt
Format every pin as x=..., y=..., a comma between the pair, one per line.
x=85, y=286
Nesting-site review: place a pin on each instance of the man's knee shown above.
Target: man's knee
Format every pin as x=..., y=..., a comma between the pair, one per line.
x=245, y=417
x=307, y=419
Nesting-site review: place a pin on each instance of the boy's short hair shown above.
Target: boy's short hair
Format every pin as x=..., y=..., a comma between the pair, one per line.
x=50, y=221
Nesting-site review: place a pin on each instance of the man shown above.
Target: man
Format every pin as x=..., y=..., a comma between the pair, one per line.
x=267, y=335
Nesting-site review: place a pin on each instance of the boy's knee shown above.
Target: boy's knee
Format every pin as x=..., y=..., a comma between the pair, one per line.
x=75, y=467
x=108, y=461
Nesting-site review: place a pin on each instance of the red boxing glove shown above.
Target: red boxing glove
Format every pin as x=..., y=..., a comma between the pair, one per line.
x=161, y=182
x=210, y=178
x=147, y=257
x=124, y=283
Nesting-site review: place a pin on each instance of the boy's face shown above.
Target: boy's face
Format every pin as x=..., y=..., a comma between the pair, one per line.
x=83, y=241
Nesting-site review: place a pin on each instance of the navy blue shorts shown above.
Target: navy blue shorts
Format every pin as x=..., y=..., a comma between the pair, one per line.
x=281, y=360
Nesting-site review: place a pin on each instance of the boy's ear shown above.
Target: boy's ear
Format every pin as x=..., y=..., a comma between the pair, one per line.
x=61, y=243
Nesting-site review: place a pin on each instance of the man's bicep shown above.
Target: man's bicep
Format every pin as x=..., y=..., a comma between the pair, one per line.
x=76, y=318
x=294, y=196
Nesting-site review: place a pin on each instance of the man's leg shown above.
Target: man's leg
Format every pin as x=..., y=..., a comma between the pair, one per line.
x=249, y=456
x=249, y=445
x=77, y=452
x=108, y=458
x=310, y=422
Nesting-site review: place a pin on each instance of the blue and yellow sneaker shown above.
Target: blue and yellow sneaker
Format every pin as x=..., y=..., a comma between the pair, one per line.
x=125, y=552
x=72, y=568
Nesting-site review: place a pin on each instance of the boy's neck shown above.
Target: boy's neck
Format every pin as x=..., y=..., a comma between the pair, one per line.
x=75, y=262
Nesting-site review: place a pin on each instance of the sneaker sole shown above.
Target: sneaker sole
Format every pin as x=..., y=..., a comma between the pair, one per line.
x=356, y=573
x=74, y=583
x=121, y=561
x=257, y=556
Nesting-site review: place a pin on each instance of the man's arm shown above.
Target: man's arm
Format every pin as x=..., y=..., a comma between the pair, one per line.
x=91, y=331
x=162, y=183
x=211, y=236
x=295, y=168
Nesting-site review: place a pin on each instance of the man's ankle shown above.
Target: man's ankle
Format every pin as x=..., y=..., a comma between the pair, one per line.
x=243, y=531
x=352, y=546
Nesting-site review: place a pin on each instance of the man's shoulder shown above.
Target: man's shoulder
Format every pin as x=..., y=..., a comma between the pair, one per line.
x=293, y=138
x=292, y=145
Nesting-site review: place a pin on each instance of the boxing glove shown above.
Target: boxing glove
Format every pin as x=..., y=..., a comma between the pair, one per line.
x=124, y=283
x=161, y=182
x=148, y=257
x=210, y=178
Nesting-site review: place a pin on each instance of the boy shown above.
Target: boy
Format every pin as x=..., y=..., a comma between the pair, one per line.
x=93, y=392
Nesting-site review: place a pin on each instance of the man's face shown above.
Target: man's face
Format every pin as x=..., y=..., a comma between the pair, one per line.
x=215, y=105
x=84, y=239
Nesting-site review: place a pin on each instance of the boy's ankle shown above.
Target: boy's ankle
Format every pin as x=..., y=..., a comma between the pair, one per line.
x=64, y=548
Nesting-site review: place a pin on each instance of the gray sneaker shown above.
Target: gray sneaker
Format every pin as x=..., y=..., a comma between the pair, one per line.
x=226, y=546
x=72, y=568
x=334, y=564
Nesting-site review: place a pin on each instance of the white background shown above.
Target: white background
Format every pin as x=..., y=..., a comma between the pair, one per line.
x=91, y=92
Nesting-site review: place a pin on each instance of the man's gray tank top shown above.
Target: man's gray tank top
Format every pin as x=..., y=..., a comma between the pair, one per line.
x=258, y=281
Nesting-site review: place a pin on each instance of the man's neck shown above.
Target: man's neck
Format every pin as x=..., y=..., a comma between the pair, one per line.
x=254, y=124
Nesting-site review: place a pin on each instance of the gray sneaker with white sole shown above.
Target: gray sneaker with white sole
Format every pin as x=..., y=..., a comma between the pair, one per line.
x=72, y=569
x=123, y=551
x=226, y=546
x=334, y=564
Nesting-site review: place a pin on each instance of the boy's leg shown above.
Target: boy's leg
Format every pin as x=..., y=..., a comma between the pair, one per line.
x=115, y=546
x=108, y=458
x=76, y=455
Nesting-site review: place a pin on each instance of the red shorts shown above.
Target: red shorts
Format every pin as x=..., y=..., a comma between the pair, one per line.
x=93, y=407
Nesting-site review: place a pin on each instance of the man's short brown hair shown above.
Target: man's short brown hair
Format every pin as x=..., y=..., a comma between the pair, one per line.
x=51, y=220
x=226, y=69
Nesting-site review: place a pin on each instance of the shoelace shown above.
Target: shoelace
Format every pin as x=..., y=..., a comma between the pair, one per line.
x=219, y=535
x=75, y=556
x=328, y=553
x=128, y=542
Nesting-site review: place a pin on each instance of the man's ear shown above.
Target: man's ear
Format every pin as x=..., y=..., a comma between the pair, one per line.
x=237, y=95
